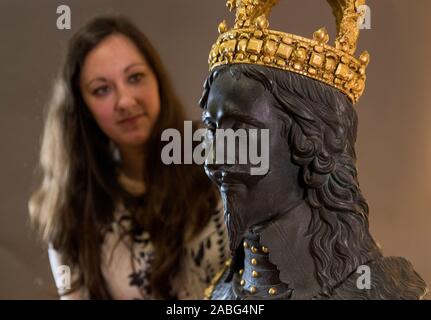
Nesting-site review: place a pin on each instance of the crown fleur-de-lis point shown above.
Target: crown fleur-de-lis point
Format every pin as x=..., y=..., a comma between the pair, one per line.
x=262, y=22
x=321, y=35
x=231, y=4
x=359, y=3
x=222, y=27
x=364, y=58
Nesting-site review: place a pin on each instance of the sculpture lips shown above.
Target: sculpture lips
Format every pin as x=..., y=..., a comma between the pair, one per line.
x=229, y=177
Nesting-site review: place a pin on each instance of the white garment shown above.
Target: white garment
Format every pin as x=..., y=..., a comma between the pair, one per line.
x=126, y=261
x=202, y=258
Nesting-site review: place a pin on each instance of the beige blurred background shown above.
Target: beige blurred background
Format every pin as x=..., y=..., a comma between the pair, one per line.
x=394, y=140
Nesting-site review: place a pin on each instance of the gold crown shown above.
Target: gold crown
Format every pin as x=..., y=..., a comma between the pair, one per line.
x=251, y=42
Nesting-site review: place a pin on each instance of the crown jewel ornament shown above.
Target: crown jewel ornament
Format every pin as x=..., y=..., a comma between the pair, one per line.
x=251, y=41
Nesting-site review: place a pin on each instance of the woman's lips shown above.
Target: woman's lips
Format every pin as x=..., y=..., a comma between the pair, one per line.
x=130, y=122
x=131, y=118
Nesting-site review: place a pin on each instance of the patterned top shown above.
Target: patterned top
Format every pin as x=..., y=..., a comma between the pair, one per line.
x=127, y=259
x=126, y=262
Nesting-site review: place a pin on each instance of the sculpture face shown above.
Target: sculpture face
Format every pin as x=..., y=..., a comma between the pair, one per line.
x=251, y=199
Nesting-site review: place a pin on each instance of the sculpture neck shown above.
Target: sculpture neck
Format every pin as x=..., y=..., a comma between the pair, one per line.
x=288, y=241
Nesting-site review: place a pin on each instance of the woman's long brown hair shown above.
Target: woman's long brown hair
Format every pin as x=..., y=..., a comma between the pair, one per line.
x=79, y=190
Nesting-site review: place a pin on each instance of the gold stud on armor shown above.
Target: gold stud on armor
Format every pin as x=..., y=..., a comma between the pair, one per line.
x=272, y=291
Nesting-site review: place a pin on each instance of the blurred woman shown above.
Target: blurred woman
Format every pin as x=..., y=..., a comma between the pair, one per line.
x=127, y=225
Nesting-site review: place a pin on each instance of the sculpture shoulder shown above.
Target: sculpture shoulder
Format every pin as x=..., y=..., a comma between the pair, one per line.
x=390, y=278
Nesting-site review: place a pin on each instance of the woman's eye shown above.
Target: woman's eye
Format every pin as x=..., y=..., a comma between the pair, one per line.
x=135, y=78
x=101, y=91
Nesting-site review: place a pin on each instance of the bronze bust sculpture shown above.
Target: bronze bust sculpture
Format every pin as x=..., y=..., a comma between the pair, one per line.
x=300, y=231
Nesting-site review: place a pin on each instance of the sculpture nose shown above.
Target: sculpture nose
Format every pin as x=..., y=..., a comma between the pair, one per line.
x=213, y=171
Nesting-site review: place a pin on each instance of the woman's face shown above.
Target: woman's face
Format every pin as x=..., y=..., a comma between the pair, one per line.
x=121, y=91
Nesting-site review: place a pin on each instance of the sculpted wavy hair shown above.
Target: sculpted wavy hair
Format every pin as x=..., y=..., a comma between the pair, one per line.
x=76, y=199
x=320, y=127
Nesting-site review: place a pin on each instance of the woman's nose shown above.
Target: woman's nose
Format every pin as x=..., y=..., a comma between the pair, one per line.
x=126, y=101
